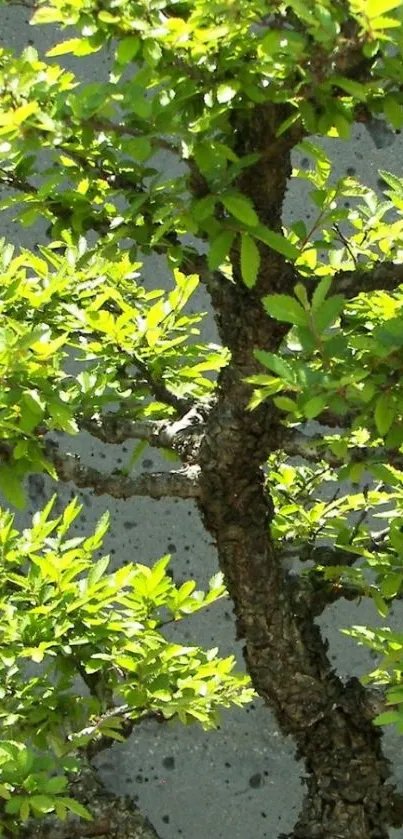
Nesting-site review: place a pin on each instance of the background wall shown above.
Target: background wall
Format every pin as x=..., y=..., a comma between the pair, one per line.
x=241, y=781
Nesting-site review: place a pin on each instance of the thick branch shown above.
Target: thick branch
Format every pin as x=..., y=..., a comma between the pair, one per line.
x=113, y=428
x=384, y=276
x=183, y=483
x=316, y=448
x=182, y=436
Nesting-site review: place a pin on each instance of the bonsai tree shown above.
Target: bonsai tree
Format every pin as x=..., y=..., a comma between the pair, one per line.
x=310, y=320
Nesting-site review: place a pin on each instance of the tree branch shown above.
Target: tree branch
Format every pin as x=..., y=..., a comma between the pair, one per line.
x=182, y=483
x=316, y=448
x=107, y=126
x=160, y=390
x=182, y=436
x=384, y=276
x=113, y=428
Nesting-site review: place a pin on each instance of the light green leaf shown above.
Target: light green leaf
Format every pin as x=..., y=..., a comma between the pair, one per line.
x=152, y=52
x=97, y=571
x=375, y=8
x=24, y=810
x=75, y=46
x=285, y=308
x=240, y=207
x=127, y=49
x=386, y=718
x=226, y=92
x=250, y=260
x=46, y=15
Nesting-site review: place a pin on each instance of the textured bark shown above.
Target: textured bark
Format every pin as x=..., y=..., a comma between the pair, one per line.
x=347, y=796
x=182, y=483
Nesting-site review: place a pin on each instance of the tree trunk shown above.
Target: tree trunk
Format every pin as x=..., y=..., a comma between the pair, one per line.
x=347, y=795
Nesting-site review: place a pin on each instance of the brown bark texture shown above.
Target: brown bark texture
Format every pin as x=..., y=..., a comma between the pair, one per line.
x=347, y=794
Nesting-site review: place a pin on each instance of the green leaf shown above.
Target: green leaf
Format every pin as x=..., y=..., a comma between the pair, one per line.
x=204, y=207
x=391, y=585
x=375, y=8
x=328, y=312
x=41, y=803
x=11, y=487
x=276, y=241
x=77, y=808
x=286, y=309
x=277, y=364
x=380, y=604
x=250, y=260
x=384, y=413
x=127, y=49
x=240, y=207
x=219, y=248
x=98, y=570
x=75, y=46
x=285, y=404
x=393, y=111
x=46, y=15
x=320, y=292
x=314, y=406
x=139, y=147
x=152, y=52
x=386, y=718
x=24, y=810
x=354, y=88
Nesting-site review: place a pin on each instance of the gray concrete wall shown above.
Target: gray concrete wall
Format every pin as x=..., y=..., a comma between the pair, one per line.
x=241, y=781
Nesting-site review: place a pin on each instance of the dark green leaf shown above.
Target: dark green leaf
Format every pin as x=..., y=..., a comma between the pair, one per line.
x=240, y=207
x=277, y=364
x=11, y=487
x=77, y=808
x=384, y=413
x=250, y=260
x=276, y=241
x=328, y=312
x=315, y=406
x=220, y=248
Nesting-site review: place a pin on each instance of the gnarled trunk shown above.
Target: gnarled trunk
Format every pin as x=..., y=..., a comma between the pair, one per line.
x=347, y=795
